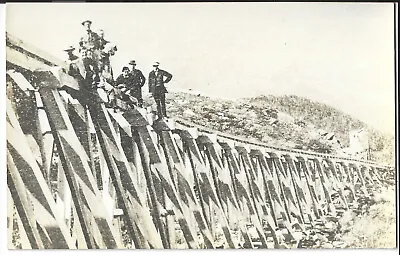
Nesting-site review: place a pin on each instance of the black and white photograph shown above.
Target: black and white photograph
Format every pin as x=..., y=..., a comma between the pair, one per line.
x=209, y=125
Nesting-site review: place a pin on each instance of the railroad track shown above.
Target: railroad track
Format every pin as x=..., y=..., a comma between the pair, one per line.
x=253, y=142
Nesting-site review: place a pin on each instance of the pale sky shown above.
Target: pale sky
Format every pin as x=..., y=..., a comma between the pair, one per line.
x=341, y=54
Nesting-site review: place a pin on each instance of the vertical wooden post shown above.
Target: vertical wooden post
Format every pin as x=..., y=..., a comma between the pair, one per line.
x=170, y=223
x=23, y=235
x=10, y=220
x=214, y=176
x=232, y=217
x=322, y=175
x=311, y=187
x=64, y=198
x=245, y=160
x=90, y=143
x=197, y=183
x=289, y=168
x=209, y=209
x=132, y=228
x=70, y=175
x=284, y=200
x=23, y=205
x=45, y=140
x=147, y=172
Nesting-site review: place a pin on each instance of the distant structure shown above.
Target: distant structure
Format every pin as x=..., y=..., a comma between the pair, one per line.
x=359, y=145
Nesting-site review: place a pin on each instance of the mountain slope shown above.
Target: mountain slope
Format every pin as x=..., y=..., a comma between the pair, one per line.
x=284, y=121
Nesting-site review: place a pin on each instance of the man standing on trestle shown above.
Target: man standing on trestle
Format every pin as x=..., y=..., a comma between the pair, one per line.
x=138, y=81
x=157, y=88
x=91, y=78
x=123, y=85
x=89, y=39
x=75, y=66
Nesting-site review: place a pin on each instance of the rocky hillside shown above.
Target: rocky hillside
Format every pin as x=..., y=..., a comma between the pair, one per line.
x=288, y=121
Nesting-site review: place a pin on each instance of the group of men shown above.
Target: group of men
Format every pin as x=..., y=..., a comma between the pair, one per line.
x=131, y=81
x=93, y=65
x=93, y=68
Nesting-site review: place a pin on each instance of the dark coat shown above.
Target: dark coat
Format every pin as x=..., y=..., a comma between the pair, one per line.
x=127, y=81
x=90, y=39
x=102, y=42
x=76, y=69
x=92, y=73
x=156, y=83
x=138, y=78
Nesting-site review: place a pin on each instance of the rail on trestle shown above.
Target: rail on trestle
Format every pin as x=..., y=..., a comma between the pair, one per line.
x=83, y=177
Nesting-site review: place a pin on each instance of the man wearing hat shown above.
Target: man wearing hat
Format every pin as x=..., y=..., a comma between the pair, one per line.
x=107, y=50
x=75, y=65
x=90, y=38
x=123, y=83
x=157, y=79
x=138, y=81
x=92, y=77
x=70, y=52
x=125, y=78
x=102, y=40
x=76, y=69
x=85, y=71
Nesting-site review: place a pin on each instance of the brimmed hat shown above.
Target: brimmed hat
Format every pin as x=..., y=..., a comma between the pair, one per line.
x=132, y=62
x=156, y=63
x=83, y=22
x=125, y=68
x=70, y=48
